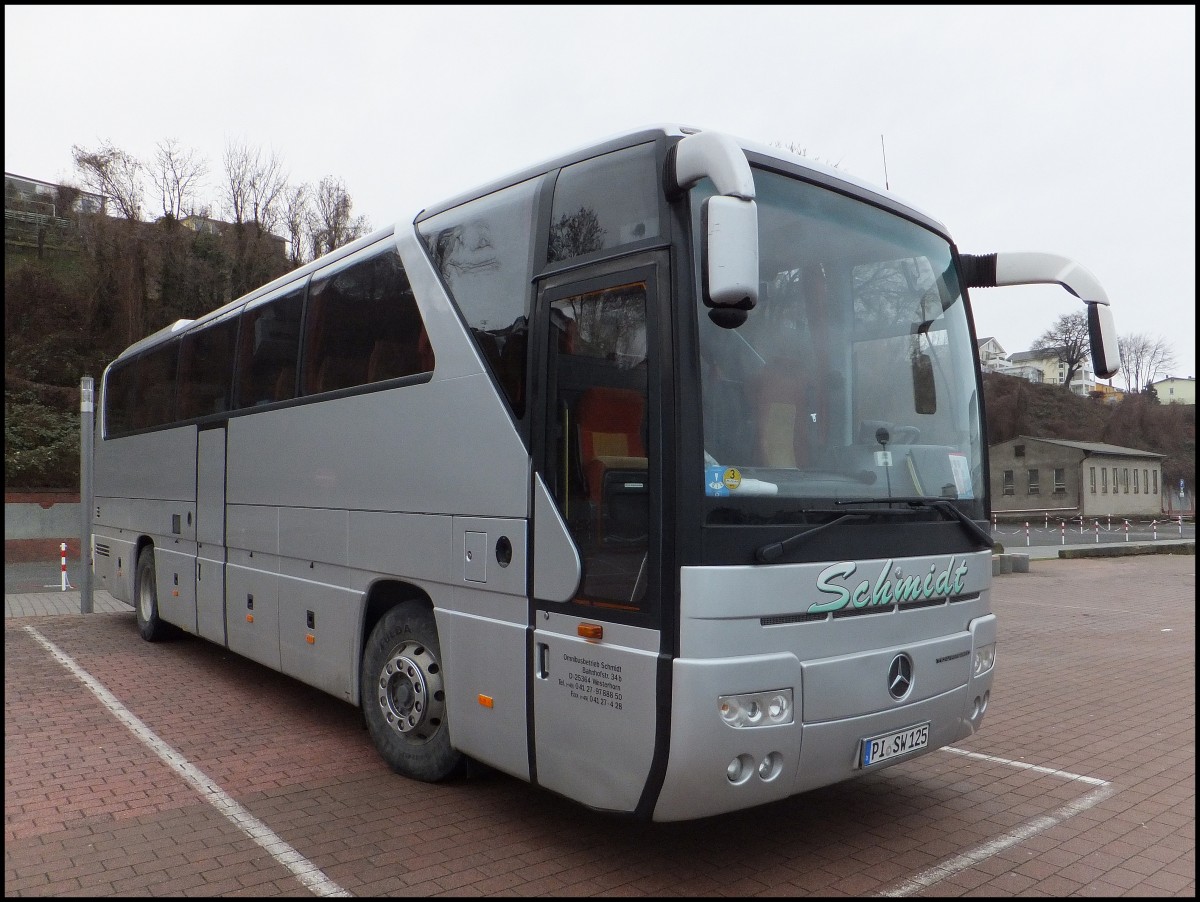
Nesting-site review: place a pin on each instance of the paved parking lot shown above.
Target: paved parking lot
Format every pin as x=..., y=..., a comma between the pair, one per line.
x=180, y=769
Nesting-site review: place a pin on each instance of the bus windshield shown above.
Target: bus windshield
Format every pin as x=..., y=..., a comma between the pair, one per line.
x=853, y=378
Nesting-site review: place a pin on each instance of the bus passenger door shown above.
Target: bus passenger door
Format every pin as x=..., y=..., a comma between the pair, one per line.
x=210, y=533
x=595, y=655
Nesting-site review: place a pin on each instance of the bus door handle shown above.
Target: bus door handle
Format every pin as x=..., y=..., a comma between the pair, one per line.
x=543, y=661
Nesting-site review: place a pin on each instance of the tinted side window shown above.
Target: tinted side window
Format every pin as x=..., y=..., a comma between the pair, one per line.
x=206, y=369
x=363, y=326
x=269, y=346
x=119, y=398
x=156, y=387
x=484, y=251
x=140, y=393
x=604, y=202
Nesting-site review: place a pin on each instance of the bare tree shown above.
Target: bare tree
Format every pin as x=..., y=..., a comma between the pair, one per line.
x=296, y=217
x=254, y=184
x=177, y=174
x=1143, y=358
x=1068, y=340
x=331, y=224
x=110, y=171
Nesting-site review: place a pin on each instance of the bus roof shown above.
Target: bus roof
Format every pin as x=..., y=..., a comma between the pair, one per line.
x=792, y=161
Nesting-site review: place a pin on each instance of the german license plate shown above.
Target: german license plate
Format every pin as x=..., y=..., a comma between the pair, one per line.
x=881, y=748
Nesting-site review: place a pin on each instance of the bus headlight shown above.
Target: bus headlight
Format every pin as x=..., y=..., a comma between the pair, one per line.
x=985, y=657
x=756, y=709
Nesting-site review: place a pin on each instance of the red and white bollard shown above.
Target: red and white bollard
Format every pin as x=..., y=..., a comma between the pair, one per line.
x=1047, y=521
x=1110, y=522
x=63, y=549
x=1154, y=529
x=1097, y=524
x=1062, y=528
x=1081, y=525
x=1126, y=530
x=1027, y=532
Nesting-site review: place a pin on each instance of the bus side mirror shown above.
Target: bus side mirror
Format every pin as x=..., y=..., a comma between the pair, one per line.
x=1102, y=336
x=729, y=258
x=924, y=389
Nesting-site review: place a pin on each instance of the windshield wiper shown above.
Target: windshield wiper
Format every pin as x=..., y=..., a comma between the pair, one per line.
x=773, y=551
x=942, y=507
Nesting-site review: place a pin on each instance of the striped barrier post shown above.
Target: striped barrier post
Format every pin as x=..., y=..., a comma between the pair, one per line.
x=63, y=549
x=1126, y=530
x=1097, y=524
x=1027, y=533
x=1154, y=528
x=1062, y=529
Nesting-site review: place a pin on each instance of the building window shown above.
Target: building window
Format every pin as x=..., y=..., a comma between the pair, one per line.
x=1060, y=481
x=1018, y=450
x=1092, y=475
x=1033, y=482
x=1116, y=481
x=1125, y=480
x=1156, y=482
x=1135, y=482
x=1146, y=481
x=1009, y=484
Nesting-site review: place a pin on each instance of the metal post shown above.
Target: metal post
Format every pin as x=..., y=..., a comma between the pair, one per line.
x=86, y=497
x=1126, y=530
x=1154, y=527
x=1062, y=528
x=1097, y=524
x=1027, y=533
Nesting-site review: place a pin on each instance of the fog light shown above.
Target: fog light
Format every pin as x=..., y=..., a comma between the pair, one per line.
x=739, y=769
x=770, y=767
x=756, y=709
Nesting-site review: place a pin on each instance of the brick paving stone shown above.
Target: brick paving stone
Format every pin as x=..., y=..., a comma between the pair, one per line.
x=103, y=817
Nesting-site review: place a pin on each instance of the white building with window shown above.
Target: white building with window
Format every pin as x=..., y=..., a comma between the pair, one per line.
x=1176, y=390
x=1053, y=370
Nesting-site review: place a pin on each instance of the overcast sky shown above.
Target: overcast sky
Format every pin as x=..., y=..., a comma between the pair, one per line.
x=1070, y=130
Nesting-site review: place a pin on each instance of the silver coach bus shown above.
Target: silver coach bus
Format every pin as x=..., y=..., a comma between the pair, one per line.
x=654, y=475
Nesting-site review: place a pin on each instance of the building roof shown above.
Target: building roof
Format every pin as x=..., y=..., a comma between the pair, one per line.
x=1022, y=356
x=1100, y=448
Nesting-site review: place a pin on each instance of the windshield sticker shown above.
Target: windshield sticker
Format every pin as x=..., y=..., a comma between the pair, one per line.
x=891, y=587
x=720, y=481
x=962, y=475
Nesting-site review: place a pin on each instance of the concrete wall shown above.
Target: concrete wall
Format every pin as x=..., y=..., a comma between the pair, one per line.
x=37, y=523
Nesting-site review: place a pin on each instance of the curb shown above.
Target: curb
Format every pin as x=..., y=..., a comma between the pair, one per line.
x=1005, y=562
x=1129, y=550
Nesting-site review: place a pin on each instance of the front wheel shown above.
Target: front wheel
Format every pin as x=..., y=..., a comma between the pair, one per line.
x=404, y=697
x=145, y=592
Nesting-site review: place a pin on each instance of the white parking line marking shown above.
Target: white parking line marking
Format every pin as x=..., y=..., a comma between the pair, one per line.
x=304, y=870
x=961, y=862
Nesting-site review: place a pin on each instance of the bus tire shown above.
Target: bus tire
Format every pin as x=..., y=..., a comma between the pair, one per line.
x=404, y=698
x=145, y=593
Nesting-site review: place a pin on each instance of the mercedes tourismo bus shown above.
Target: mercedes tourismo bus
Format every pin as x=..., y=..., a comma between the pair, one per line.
x=654, y=475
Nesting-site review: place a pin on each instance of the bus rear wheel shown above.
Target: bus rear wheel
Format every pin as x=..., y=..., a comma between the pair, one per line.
x=404, y=697
x=145, y=592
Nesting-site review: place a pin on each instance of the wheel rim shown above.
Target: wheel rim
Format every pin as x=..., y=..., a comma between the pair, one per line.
x=145, y=597
x=409, y=692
